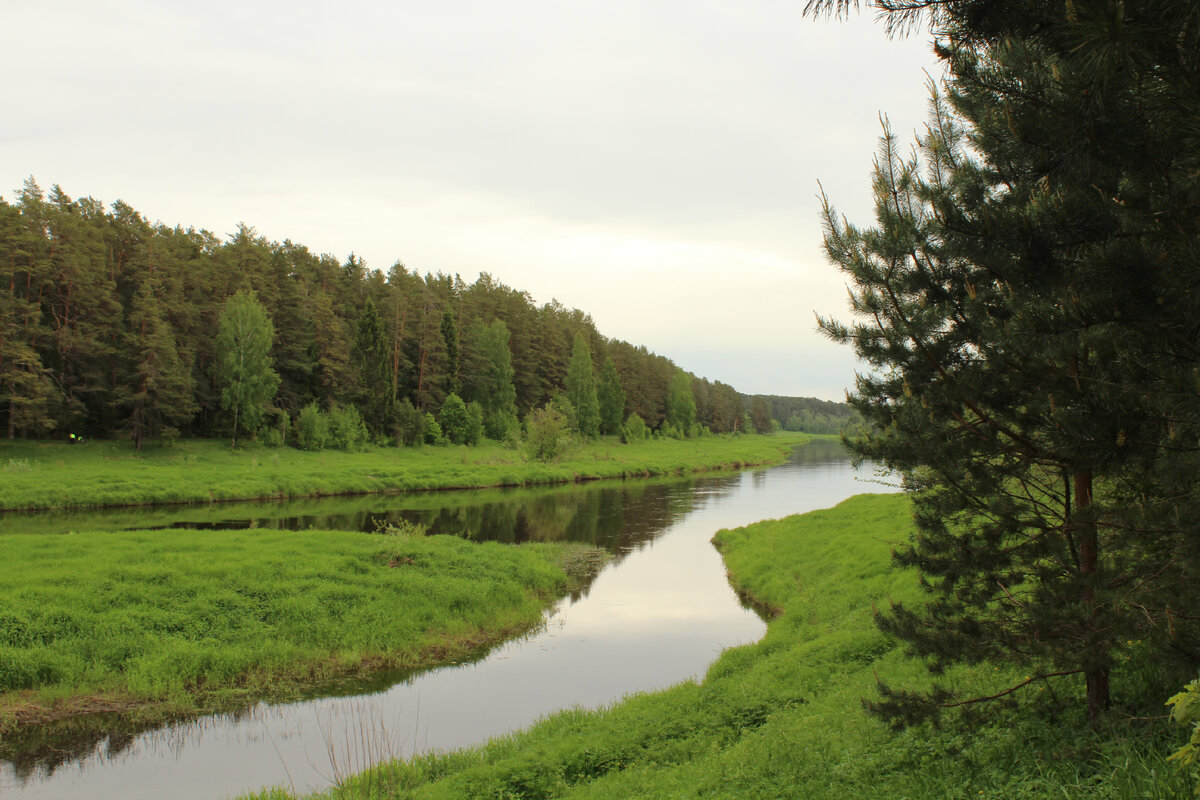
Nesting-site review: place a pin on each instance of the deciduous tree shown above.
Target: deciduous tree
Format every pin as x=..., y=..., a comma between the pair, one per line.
x=243, y=367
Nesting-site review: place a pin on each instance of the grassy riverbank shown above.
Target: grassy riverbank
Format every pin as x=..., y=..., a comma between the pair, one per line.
x=47, y=475
x=155, y=624
x=783, y=718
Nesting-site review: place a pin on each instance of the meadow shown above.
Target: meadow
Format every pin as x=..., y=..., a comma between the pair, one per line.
x=53, y=475
x=158, y=624
x=783, y=718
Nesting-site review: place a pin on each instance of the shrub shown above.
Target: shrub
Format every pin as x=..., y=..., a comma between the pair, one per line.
x=670, y=431
x=433, y=431
x=1185, y=710
x=634, y=429
x=501, y=426
x=347, y=431
x=410, y=423
x=547, y=434
x=455, y=421
x=312, y=428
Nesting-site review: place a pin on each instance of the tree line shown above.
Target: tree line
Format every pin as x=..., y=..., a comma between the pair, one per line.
x=114, y=326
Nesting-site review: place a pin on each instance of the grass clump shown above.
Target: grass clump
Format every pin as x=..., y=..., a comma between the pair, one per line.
x=50, y=475
x=783, y=718
x=163, y=623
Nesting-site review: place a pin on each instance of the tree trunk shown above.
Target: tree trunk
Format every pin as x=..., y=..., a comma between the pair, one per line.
x=1095, y=655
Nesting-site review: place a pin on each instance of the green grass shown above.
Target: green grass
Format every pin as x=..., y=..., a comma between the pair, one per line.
x=783, y=718
x=45, y=475
x=164, y=623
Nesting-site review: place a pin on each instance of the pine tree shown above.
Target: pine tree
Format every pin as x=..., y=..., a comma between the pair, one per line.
x=450, y=337
x=1030, y=304
x=372, y=359
x=581, y=388
x=160, y=389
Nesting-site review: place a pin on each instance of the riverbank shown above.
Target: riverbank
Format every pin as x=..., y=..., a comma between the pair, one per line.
x=52, y=475
x=783, y=718
x=145, y=626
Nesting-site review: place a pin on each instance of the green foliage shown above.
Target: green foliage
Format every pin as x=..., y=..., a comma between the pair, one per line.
x=547, y=434
x=128, y=348
x=455, y=421
x=1185, y=710
x=581, y=389
x=681, y=405
x=312, y=428
x=474, y=423
x=634, y=429
x=760, y=415
x=433, y=430
x=347, y=431
x=496, y=392
x=410, y=423
x=243, y=362
x=450, y=338
x=378, y=394
x=611, y=398
x=160, y=388
x=1013, y=381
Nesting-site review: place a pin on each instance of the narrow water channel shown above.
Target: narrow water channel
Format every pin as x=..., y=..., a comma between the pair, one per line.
x=659, y=614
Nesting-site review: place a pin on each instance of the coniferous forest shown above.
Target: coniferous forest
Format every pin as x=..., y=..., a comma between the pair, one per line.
x=113, y=326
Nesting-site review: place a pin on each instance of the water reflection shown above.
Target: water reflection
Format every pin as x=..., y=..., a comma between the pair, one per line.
x=658, y=616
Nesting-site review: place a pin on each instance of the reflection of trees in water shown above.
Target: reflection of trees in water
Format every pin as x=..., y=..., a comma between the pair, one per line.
x=619, y=517
x=40, y=751
x=598, y=512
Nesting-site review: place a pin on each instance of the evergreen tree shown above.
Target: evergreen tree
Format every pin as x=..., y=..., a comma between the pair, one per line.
x=372, y=359
x=581, y=388
x=1030, y=305
x=611, y=398
x=333, y=376
x=243, y=367
x=761, y=414
x=450, y=336
x=160, y=390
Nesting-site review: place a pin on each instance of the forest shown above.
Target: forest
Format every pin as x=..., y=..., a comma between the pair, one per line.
x=110, y=326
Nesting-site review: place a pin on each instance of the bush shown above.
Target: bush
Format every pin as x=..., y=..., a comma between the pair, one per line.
x=347, y=431
x=410, y=424
x=455, y=421
x=501, y=426
x=547, y=434
x=1185, y=710
x=312, y=428
x=634, y=429
x=669, y=431
x=433, y=431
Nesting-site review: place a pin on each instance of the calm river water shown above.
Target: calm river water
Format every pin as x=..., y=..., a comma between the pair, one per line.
x=660, y=613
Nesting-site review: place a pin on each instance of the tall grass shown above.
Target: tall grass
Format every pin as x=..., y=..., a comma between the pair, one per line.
x=167, y=622
x=45, y=475
x=783, y=718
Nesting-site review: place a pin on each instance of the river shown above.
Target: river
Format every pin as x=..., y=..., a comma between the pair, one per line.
x=660, y=613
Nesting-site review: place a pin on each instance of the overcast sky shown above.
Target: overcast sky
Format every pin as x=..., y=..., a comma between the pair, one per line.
x=653, y=163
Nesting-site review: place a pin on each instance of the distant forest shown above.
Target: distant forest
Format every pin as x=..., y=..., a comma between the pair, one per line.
x=103, y=312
